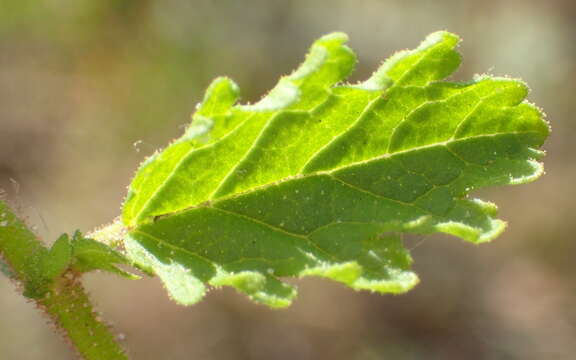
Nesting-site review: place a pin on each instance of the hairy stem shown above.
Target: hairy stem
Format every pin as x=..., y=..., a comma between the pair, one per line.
x=63, y=299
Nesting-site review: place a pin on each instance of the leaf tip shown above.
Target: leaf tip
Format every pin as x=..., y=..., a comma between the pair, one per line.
x=442, y=36
x=220, y=96
x=336, y=36
x=439, y=45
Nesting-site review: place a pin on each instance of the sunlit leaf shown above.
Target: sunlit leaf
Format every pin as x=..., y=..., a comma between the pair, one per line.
x=321, y=177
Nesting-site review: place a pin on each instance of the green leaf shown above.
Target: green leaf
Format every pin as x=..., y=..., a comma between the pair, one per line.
x=79, y=254
x=320, y=177
x=89, y=255
x=59, y=258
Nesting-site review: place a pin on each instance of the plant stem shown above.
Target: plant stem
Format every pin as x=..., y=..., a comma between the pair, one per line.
x=64, y=300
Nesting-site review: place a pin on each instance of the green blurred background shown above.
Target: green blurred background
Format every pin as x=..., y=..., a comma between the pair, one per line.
x=88, y=88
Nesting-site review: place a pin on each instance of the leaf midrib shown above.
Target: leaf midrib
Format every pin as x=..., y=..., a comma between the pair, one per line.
x=212, y=204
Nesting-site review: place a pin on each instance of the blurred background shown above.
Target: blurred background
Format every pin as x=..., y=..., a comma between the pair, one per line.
x=88, y=88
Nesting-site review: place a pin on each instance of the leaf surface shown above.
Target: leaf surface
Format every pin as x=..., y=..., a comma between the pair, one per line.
x=320, y=177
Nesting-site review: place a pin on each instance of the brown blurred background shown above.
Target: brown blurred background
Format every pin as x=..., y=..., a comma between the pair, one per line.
x=90, y=87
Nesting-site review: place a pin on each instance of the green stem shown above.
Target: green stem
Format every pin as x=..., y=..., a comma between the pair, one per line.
x=64, y=299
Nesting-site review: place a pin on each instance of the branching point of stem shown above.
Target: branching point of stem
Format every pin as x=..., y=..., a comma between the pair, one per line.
x=64, y=299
